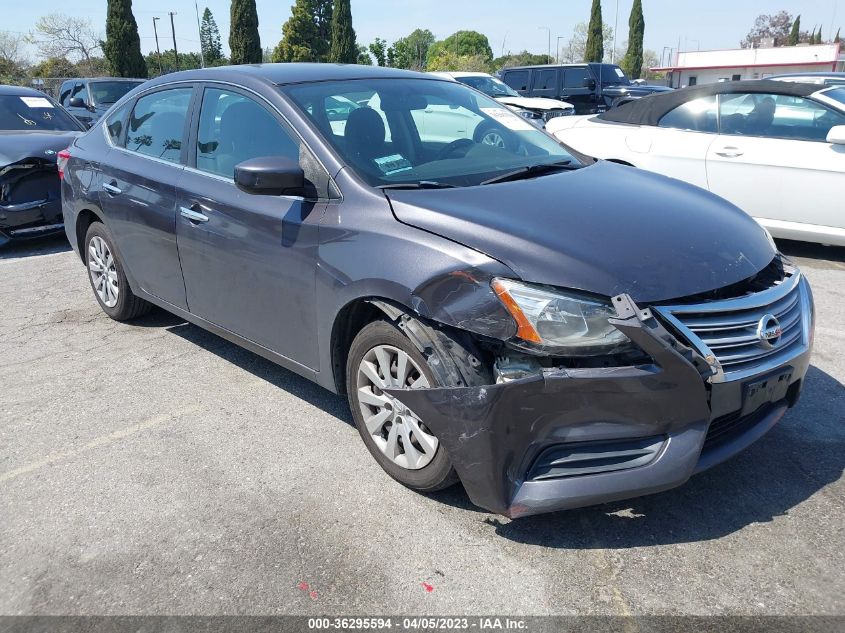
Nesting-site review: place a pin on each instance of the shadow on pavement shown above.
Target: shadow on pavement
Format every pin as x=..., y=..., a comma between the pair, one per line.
x=802, y=455
x=14, y=249
x=808, y=250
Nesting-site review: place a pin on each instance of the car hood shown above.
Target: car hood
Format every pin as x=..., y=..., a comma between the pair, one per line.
x=534, y=103
x=606, y=229
x=16, y=145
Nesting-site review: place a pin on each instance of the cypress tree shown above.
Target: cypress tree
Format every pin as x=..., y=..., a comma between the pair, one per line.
x=594, y=50
x=344, y=49
x=122, y=47
x=633, y=62
x=795, y=33
x=836, y=39
x=322, y=11
x=244, y=41
x=299, y=35
x=812, y=39
x=819, y=36
x=210, y=38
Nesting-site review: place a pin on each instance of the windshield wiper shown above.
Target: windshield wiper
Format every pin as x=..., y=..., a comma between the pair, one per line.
x=531, y=171
x=422, y=184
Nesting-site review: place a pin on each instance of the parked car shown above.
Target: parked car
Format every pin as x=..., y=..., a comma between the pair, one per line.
x=33, y=130
x=494, y=315
x=536, y=109
x=89, y=99
x=774, y=149
x=591, y=88
x=824, y=79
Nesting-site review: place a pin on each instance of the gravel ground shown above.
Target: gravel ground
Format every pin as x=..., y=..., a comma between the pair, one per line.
x=154, y=468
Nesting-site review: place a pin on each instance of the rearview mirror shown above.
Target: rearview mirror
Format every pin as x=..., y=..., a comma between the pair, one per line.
x=77, y=102
x=271, y=176
x=836, y=136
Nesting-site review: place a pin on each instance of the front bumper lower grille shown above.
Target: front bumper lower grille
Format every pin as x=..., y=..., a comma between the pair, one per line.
x=553, y=114
x=743, y=336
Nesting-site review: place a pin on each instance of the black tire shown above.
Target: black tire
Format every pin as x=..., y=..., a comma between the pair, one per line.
x=128, y=306
x=438, y=474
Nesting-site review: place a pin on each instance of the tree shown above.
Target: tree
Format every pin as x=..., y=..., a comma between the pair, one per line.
x=521, y=59
x=212, y=50
x=59, y=35
x=574, y=51
x=795, y=32
x=379, y=51
x=187, y=61
x=836, y=39
x=244, y=41
x=322, y=12
x=54, y=67
x=12, y=48
x=632, y=63
x=651, y=60
x=344, y=49
x=776, y=27
x=123, y=46
x=819, y=36
x=447, y=60
x=594, y=49
x=411, y=50
x=299, y=35
x=461, y=44
x=364, y=58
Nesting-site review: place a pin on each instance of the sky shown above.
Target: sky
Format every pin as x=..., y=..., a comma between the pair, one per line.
x=510, y=26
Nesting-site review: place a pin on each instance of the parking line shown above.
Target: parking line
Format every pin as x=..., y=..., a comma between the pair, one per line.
x=103, y=440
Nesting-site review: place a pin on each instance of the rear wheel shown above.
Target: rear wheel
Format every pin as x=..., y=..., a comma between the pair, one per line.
x=381, y=357
x=108, y=281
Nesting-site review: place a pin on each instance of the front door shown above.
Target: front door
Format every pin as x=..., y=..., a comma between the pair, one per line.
x=773, y=161
x=249, y=261
x=139, y=191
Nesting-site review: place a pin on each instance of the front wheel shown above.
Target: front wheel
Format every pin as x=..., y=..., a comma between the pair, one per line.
x=381, y=357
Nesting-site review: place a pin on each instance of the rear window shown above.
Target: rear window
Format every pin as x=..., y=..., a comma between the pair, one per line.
x=109, y=92
x=32, y=113
x=517, y=79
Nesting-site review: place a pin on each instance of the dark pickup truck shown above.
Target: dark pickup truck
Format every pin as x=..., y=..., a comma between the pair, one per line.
x=591, y=88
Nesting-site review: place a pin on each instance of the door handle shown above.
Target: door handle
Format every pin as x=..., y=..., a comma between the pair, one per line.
x=111, y=189
x=193, y=216
x=730, y=152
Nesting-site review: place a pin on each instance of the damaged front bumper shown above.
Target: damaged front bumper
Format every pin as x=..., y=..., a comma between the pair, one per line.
x=30, y=200
x=566, y=438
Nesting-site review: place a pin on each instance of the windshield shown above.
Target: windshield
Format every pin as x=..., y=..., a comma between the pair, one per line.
x=413, y=131
x=837, y=94
x=33, y=113
x=611, y=75
x=490, y=86
x=108, y=92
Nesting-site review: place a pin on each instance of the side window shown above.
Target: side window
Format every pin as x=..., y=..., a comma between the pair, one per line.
x=157, y=124
x=517, y=79
x=79, y=90
x=64, y=94
x=777, y=116
x=575, y=78
x=234, y=128
x=116, y=123
x=698, y=115
x=545, y=81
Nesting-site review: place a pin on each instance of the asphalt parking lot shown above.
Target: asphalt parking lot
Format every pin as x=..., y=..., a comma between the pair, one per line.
x=153, y=468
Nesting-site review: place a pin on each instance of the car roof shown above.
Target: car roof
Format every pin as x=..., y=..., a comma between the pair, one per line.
x=582, y=64
x=650, y=109
x=20, y=91
x=294, y=73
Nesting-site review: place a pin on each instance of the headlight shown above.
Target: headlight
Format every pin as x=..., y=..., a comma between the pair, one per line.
x=528, y=114
x=571, y=324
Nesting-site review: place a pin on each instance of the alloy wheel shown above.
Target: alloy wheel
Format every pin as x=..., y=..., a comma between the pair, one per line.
x=394, y=428
x=101, y=267
x=493, y=138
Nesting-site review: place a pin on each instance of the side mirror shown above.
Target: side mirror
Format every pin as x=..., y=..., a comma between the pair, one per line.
x=590, y=83
x=836, y=136
x=270, y=176
x=77, y=102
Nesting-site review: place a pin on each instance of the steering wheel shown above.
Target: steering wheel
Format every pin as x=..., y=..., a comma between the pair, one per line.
x=453, y=147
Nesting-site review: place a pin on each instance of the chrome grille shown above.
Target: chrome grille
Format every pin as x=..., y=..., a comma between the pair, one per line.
x=726, y=332
x=553, y=114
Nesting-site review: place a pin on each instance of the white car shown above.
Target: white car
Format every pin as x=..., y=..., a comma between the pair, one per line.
x=774, y=149
x=536, y=109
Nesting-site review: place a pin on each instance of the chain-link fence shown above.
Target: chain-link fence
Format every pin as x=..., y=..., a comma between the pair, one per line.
x=47, y=85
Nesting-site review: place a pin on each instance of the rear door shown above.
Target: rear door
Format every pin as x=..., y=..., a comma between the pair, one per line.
x=138, y=191
x=772, y=159
x=518, y=79
x=249, y=261
x=546, y=83
x=575, y=89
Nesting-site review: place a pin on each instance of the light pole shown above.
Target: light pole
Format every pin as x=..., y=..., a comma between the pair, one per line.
x=199, y=31
x=173, y=31
x=615, y=27
x=550, y=41
x=557, y=48
x=158, y=50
